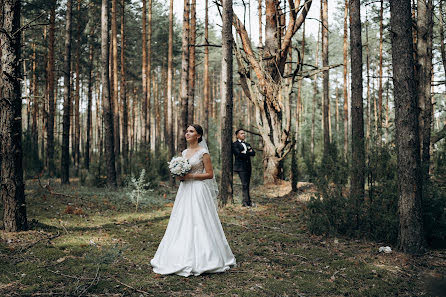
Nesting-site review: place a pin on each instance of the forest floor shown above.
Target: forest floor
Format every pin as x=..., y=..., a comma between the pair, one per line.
x=90, y=242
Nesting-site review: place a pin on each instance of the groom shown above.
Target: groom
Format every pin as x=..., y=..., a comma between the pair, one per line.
x=243, y=153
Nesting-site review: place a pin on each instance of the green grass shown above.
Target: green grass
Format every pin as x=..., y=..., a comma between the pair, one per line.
x=105, y=250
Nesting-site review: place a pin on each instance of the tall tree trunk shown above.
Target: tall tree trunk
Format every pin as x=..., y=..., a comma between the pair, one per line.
x=125, y=125
x=369, y=102
x=149, y=71
x=380, y=74
x=206, y=67
x=145, y=133
x=299, y=88
x=51, y=105
x=184, y=79
x=259, y=8
x=90, y=100
x=106, y=100
x=315, y=92
x=227, y=104
x=171, y=140
x=442, y=38
x=115, y=103
x=358, y=154
x=325, y=75
x=11, y=169
x=65, y=159
x=77, y=95
x=156, y=99
x=424, y=71
x=192, y=42
x=410, y=236
x=345, y=80
x=35, y=96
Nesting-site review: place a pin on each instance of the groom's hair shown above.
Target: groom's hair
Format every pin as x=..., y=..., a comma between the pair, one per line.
x=238, y=130
x=199, y=130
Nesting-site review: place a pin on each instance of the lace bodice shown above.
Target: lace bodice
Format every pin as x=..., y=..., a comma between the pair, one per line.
x=196, y=160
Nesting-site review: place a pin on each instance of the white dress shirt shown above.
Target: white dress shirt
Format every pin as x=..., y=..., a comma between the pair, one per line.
x=244, y=145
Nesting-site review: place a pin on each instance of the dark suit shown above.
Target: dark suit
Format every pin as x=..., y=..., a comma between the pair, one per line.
x=242, y=165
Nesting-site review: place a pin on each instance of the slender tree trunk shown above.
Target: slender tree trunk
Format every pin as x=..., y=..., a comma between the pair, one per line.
x=149, y=72
x=192, y=42
x=35, y=92
x=380, y=74
x=171, y=140
x=90, y=101
x=315, y=92
x=227, y=104
x=65, y=160
x=115, y=104
x=184, y=79
x=442, y=38
x=12, y=191
x=410, y=236
x=206, y=68
x=144, y=132
x=51, y=105
x=358, y=154
x=156, y=99
x=325, y=75
x=299, y=88
x=125, y=125
x=106, y=100
x=77, y=94
x=259, y=8
x=345, y=80
x=369, y=102
x=424, y=71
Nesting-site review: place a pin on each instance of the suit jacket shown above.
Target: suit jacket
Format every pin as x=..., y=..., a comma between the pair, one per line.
x=242, y=161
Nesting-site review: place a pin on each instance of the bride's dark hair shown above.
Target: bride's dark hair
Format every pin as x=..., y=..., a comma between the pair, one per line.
x=199, y=130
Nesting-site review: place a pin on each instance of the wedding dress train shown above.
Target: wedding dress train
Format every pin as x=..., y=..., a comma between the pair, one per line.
x=194, y=241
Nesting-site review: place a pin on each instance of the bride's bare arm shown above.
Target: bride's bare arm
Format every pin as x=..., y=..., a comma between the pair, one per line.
x=202, y=176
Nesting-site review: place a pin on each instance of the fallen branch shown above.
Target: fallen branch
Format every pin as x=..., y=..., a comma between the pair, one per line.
x=47, y=188
x=96, y=278
x=128, y=286
x=34, y=243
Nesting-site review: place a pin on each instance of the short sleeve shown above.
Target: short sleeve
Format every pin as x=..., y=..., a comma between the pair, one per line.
x=202, y=152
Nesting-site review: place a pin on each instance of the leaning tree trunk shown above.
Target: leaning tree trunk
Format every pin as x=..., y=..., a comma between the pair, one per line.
x=12, y=190
x=106, y=100
x=357, y=111
x=410, y=236
x=227, y=104
x=65, y=159
x=270, y=88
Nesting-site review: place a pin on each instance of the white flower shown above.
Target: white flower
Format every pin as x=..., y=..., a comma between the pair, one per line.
x=179, y=166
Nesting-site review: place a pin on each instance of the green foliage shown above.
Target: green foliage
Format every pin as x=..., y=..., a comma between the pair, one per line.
x=32, y=164
x=138, y=189
x=332, y=211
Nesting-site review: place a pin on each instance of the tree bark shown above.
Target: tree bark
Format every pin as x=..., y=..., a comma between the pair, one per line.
x=12, y=190
x=106, y=100
x=380, y=74
x=358, y=154
x=77, y=129
x=226, y=186
x=325, y=76
x=410, y=236
x=115, y=104
x=65, y=159
x=206, y=84
x=171, y=141
x=149, y=72
x=345, y=80
x=125, y=125
x=442, y=38
x=192, y=42
x=51, y=105
x=184, y=79
x=424, y=72
x=144, y=132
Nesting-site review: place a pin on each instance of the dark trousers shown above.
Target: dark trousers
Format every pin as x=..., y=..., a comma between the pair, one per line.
x=245, y=177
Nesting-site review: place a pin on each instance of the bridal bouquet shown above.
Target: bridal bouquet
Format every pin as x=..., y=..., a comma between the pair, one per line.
x=179, y=166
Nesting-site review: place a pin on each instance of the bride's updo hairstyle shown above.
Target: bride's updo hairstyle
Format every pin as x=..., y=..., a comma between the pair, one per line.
x=199, y=130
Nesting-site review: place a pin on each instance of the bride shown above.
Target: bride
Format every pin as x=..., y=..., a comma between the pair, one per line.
x=194, y=242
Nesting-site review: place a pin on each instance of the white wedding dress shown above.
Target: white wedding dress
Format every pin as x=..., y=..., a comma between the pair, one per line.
x=194, y=242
